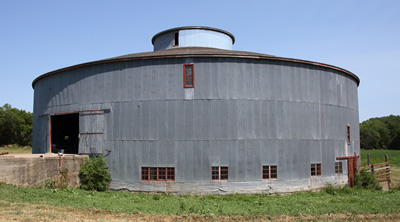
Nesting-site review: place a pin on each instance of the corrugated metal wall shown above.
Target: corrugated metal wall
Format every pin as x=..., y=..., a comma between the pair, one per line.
x=204, y=38
x=245, y=113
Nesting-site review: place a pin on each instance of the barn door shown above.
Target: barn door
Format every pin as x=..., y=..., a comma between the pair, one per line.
x=91, y=130
x=64, y=133
x=41, y=137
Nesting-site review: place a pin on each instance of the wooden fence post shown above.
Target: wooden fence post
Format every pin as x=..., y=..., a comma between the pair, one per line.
x=369, y=163
x=355, y=163
x=387, y=170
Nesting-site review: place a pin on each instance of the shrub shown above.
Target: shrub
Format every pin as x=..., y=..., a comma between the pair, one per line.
x=94, y=174
x=364, y=179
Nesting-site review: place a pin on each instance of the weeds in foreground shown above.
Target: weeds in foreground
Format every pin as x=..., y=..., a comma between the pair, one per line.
x=366, y=180
x=59, y=181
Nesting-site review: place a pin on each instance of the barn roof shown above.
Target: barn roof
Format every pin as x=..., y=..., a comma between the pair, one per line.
x=181, y=52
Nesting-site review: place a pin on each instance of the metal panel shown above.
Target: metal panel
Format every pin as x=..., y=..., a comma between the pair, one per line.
x=204, y=38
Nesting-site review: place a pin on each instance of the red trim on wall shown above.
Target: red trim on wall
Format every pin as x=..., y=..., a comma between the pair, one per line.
x=190, y=75
x=49, y=134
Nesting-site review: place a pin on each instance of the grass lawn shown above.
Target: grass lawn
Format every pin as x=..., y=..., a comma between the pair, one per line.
x=32, y=204
x=15, y=149
x=338, y=201
x=378, y=156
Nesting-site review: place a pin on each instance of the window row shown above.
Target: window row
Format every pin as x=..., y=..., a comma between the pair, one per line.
x=316, y=168
x=158, y=173
x=222, y=172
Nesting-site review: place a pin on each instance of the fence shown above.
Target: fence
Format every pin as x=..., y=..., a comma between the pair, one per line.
x=381, y=171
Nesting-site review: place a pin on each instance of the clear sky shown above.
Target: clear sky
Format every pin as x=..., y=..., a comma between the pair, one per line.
x=360, y=36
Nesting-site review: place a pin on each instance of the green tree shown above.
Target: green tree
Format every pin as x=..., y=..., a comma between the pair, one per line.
x=15, y=126
x=380, y=133
x=395, y=143
x=369, y=138
x=393, y=124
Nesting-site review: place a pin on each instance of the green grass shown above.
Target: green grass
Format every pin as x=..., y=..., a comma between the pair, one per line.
x=353, y=201
x=343, y=201
x=15, y=149
x=378, y=156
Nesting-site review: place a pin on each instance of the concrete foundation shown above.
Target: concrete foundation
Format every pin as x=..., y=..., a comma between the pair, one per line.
x=34, y=169
x=225, y=187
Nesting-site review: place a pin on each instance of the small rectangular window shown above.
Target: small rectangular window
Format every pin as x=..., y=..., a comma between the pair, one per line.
x=170, y=173
x=265, y=174
x=269, y=172
x=219, y=173
x=224, y=173
x=158, y=174
x=176, y=39
x=145, y=173
x=188, y=76
x=214, y=173
x=274, y=172
x=338, y=168
x=315, y=169
x=153, y=173
x=348, y=135
x=162, y=174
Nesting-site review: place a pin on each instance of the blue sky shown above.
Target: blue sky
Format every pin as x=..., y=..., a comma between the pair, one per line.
x=360, y=36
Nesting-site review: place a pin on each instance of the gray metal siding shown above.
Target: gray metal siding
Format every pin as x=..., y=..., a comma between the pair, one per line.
x=204, y=38
x=245, y=113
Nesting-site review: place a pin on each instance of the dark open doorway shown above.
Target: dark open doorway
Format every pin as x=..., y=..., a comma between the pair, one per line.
x=65, y=133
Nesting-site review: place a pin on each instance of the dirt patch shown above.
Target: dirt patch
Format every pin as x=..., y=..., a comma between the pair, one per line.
x=29, y=212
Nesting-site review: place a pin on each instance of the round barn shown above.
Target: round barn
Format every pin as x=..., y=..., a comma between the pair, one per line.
x=195, y=116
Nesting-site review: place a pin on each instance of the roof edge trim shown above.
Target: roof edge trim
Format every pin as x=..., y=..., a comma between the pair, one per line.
x=196, y=55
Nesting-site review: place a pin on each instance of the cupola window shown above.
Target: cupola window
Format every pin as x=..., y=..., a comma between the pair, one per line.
x=176, y=39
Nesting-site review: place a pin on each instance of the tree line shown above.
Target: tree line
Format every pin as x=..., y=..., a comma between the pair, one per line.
x=380, y=133
x=15, y=126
